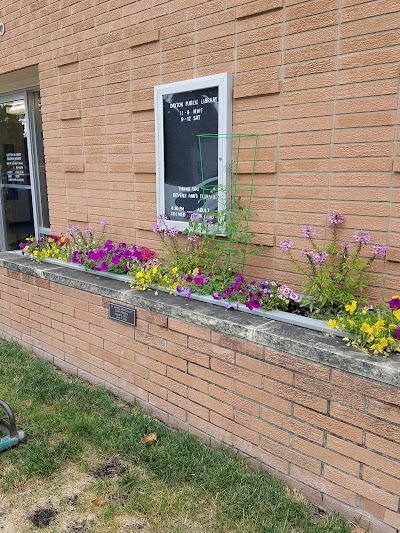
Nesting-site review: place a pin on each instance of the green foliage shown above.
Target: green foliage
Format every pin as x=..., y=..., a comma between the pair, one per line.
x=334, y=275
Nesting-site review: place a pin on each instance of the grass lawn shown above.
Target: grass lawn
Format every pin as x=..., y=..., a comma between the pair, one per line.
x=85, y=469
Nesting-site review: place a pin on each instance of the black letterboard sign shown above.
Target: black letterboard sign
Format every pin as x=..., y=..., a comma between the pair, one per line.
x=122, y=314
x=185, y=116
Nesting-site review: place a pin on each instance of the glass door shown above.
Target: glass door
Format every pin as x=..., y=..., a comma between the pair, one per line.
x=22, y=173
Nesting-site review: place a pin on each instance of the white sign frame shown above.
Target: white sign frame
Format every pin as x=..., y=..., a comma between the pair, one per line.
x=224, y=84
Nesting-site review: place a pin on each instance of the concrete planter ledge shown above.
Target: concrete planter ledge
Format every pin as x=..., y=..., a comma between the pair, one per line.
x=310, y=345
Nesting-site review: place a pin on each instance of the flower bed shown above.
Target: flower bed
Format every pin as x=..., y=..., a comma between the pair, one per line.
x=192, y=268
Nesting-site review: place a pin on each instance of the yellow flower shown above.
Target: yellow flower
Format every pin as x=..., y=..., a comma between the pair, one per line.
x=384, y=342
x=351, y=307
x=195, y=272
x=26, y=247
x=366, y=328
x=396, y=313
x=50, y=239
x=351, y=322
x=139, y=274
x=379, y=326
x=35, y=252
x=332, y=323
x=154, y=269
x=174, y=270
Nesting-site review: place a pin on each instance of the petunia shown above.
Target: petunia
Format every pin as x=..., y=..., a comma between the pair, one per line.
x=395, y=302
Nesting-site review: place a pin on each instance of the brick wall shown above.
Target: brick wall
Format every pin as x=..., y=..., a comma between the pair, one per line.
x=327, y=432
x=318, y=78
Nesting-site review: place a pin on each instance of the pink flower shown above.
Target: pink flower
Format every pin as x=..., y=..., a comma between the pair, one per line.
x=285, y=245
x=362, y=237
x=380, y=250
x=308, y=232
x=336, y=218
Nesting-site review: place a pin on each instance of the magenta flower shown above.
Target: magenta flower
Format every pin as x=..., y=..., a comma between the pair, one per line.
x=398, y=334
x=128, y=254
x=217, y=296
x=395, y=302
x=188, y=278
x=199, y=280
x=102, y=267
x=115, y=260
x=380, y=250
x=362, y=237
x=308, y=232
x=336, y=218
x=285, y=245
x=108, y=245
x=253, y=304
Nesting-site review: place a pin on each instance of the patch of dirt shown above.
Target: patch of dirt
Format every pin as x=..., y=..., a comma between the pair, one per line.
x=81, y=526
x=43, y=516
x=108, y=470
x=73, y=500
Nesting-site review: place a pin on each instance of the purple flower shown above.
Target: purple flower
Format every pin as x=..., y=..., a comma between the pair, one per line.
x=395, y=302
x=362, y=237
x=336, y=218
x=188, y=279
x=308, y=232
x=104, y=223
x=173, y=232
x=193, y=238
x=345, y=245
x=128, y=254
x=157, y=229
x=88, y=231
x=188, y=293
x=103, y=266
x=108, y=245
x=320, y=258
x=398, y=334
x=115, y=260
x=199, y=280
x=380, y=250
x=195, y=217
x=305, y=252
x=217, y=296
x=285, y=245
x=179, y=288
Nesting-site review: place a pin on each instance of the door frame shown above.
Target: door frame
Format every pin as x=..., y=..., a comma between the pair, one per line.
x=32, y=159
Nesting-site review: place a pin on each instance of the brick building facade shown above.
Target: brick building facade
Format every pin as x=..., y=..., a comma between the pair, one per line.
x=319, y=79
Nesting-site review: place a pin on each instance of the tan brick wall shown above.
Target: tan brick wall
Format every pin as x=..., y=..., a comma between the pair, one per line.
x=331, y=434
x=319, y=78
